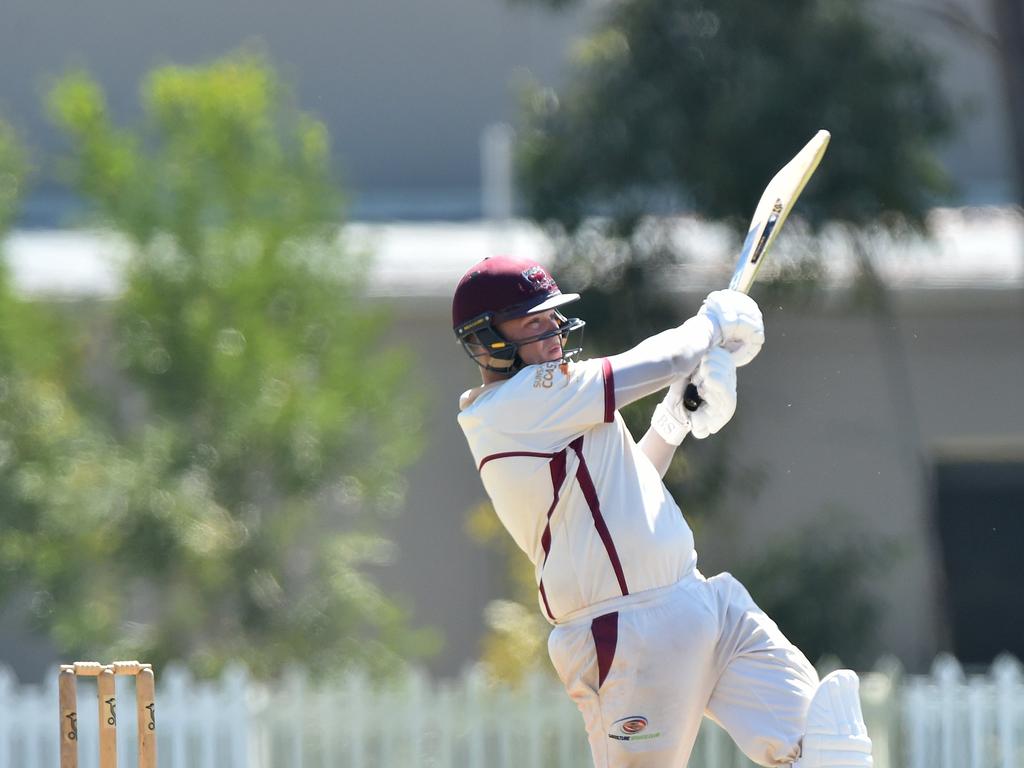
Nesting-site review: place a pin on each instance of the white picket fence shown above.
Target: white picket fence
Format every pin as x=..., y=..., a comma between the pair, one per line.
x=943, y=720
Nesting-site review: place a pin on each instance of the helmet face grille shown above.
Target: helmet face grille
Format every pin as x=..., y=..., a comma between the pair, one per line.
x=489, y=349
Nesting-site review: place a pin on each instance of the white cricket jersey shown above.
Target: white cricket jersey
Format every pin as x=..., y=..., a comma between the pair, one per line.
x=572, y=487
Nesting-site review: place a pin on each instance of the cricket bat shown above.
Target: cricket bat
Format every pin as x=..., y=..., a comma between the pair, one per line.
x=776, y=202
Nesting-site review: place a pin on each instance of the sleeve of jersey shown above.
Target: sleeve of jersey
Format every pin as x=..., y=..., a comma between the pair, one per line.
x=557, y=399
x=658, y=360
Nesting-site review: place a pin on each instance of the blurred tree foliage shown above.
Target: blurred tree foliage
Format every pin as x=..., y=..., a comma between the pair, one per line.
x=227, y=495
x=684, y=106
x=684, y=103
x=42, y=434
x=13, y=169
x=812, y=585
x=516, y=638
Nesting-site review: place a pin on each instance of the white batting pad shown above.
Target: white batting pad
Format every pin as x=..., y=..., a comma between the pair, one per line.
x=836, y=736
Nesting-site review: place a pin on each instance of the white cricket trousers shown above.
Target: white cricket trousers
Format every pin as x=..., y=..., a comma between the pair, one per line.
x=645, y=675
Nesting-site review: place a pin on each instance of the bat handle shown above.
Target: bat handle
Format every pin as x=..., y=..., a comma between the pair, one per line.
x=691, y=400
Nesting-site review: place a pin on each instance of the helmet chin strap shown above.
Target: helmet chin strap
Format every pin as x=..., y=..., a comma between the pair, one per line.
x=511, y=369
x=518, y=363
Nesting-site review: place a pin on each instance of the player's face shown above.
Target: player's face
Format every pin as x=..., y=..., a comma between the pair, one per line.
x=543, y=351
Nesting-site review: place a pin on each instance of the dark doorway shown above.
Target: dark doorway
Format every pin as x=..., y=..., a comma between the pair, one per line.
x=980, y=516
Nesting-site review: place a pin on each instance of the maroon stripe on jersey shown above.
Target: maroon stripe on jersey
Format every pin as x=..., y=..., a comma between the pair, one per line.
x=590, y=494
x=609, y=390
x=544, y=597
x=557, y=467
x=509, y=454
x=605, y=630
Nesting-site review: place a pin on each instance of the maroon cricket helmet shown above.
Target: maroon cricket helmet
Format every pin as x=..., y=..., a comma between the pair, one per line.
x=503, y=288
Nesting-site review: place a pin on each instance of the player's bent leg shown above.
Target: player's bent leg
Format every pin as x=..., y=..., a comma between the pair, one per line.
x=836, y=736
x=641, y=678
x=766, y=684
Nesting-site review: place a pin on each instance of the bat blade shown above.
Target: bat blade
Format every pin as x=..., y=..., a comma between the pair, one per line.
x=776, y=202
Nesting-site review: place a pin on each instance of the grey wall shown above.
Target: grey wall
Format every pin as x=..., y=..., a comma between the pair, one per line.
x=959, y=35
x=406, y=86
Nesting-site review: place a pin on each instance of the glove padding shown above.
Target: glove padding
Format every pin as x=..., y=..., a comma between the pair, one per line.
x=738, y=325
x=715, y=380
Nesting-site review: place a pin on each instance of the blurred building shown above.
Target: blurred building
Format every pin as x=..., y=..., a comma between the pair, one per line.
x=902, y=426
x=907, y=424
x=407, y=88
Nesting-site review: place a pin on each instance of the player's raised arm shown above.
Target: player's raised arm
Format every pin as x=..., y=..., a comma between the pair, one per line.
x=727, y=319
x=705, y=350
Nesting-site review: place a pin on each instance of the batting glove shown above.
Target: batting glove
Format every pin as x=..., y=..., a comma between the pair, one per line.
x=738, y=325
x=671, y=420
x=715, y=380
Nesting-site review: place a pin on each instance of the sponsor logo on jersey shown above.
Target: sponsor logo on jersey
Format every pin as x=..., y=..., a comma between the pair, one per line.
x=545, y=375
x=631, y=728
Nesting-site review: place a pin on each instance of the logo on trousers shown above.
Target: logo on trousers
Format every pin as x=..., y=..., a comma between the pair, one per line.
x=631, y=729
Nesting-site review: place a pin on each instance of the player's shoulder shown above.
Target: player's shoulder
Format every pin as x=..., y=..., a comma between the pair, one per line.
x=530, y=381
x=553, y=376
x=526, y=383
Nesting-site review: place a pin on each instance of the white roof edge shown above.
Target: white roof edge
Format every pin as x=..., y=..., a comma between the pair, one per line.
x=980, y=248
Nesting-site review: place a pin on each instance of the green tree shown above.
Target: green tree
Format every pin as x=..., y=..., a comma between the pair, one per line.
x=516, y=638
x=681, y=103
x=38, y=421
x=13, y=168
x=229, y=493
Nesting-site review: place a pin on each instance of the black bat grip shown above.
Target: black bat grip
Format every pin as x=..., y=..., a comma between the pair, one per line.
x=691, y=400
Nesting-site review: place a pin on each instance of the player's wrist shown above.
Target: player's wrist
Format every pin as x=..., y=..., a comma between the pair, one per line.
x=672, y=427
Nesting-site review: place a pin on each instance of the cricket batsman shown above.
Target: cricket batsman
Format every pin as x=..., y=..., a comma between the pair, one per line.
x=645, y=644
